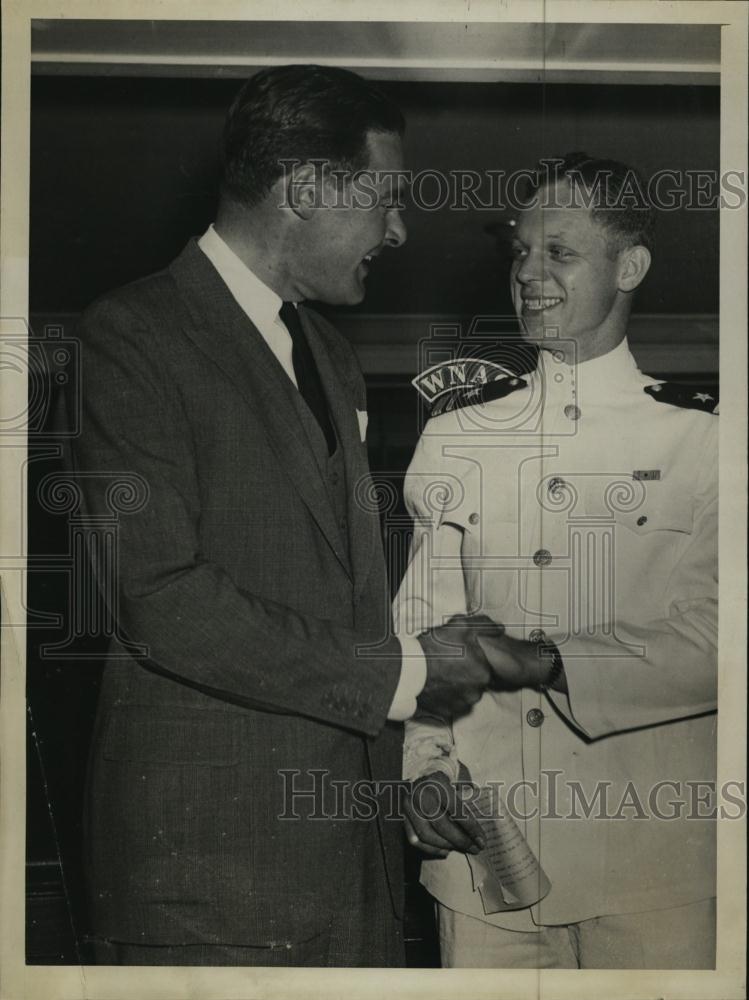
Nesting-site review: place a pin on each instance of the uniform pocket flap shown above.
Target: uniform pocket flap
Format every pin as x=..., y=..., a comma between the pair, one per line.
x=180, y=736
x=660, y=514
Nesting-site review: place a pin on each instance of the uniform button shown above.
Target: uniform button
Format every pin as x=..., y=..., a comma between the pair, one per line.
x=536, y=635
x=473, y=519
x=535, y=717
x=555, y=484
x=572, y=411
x=642, y=520
x=542, y=557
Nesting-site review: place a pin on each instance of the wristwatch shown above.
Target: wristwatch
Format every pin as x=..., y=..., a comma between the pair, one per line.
x=548, y=650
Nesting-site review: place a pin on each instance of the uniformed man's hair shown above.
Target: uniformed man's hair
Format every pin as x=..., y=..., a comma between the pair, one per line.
x=614, y=192
x=301, y=113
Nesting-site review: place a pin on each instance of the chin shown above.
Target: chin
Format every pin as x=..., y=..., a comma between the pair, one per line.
x=541, y=332
x=530, y=331
x=350, y=295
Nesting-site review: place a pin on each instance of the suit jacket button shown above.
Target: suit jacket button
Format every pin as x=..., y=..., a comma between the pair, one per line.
x=473, y=519
x=535, y=718
x=542, y=557
x=572, y=412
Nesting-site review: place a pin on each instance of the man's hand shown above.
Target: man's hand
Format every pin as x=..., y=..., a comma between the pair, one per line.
x=516, y=663
x=458, y=671
x=436, y=820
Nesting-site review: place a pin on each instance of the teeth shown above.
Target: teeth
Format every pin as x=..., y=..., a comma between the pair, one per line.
x=536, y=304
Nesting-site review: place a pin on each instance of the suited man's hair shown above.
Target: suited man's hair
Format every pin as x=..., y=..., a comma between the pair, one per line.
x=615, y=191
x=302, y=113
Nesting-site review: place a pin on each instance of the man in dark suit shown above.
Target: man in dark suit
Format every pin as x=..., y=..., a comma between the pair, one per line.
x=249, y=565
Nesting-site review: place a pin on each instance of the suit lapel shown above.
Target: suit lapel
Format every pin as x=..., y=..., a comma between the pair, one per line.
x=363, y=520
x=223, y=332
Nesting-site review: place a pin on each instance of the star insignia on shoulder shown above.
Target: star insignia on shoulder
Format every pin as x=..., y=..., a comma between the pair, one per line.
x=685, y=396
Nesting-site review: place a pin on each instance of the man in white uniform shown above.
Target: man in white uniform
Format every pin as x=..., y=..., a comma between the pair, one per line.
x=577, y=506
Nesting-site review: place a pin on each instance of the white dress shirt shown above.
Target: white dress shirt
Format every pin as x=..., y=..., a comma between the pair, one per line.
x=261, y=305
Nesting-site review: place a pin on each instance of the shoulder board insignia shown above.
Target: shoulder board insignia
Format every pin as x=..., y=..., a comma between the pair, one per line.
x=687, y=396
x=452, y=385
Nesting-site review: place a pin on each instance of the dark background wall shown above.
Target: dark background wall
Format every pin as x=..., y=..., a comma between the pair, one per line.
x=124, y=172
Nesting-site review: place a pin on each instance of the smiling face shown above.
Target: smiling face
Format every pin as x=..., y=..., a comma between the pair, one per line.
x=339, y=241
x=566, y=281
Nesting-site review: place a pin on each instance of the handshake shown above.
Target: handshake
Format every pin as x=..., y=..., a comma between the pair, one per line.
x=470, y=654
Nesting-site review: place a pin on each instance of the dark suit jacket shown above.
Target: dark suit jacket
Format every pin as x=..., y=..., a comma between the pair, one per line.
x=268, y=643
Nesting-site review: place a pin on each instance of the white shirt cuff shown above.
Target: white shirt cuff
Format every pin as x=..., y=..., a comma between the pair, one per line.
x=412, y=680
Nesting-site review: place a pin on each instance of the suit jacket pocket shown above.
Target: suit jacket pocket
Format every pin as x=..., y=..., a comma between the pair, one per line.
x=172, y=735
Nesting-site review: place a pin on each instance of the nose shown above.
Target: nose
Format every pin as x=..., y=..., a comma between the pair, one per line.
x=396, y=232
x=530, y=268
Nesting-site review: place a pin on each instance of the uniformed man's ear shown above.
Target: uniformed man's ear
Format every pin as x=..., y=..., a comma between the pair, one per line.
x=635, y=264
x=301, y=191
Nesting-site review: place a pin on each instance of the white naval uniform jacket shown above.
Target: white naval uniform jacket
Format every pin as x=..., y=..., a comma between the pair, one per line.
x=584, y=507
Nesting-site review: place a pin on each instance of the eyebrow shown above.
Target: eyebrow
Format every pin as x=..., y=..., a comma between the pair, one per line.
x=561, y=235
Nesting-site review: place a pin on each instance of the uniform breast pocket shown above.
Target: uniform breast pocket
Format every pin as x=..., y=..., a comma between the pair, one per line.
x=659, y=513
x=648, y=543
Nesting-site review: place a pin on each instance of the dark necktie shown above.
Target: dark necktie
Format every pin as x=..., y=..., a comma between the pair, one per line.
x=307, y=375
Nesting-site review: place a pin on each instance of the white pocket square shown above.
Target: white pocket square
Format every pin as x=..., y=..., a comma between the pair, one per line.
x=363, y=418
